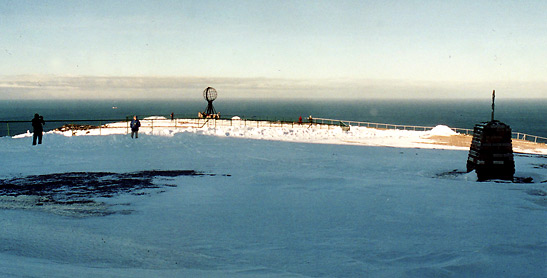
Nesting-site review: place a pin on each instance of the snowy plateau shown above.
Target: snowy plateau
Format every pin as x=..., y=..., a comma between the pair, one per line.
x=243, y=201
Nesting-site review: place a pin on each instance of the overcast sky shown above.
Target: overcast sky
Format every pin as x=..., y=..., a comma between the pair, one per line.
x=342, y=48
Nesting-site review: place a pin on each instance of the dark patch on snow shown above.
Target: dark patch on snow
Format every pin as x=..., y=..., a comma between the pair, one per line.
x=83, y=188
x=456, y=173
x=523, y=180
x=536, y=192
x=530, y=155
x=78, y=186
x=451, y=174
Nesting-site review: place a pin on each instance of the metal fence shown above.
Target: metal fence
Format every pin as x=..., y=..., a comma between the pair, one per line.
x=515, y=135
x=528, y=137
x=10, y=128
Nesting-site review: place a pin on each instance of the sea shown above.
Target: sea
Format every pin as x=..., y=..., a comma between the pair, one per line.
x=523, y=115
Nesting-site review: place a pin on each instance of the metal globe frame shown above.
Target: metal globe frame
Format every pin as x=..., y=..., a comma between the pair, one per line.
x=209, y=94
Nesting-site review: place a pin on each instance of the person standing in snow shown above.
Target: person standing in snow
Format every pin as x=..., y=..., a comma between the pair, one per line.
x=135, y=124
x=37, y=128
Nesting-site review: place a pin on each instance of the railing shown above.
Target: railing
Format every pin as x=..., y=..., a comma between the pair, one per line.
x=528, y=137
x=252, y=123
x=515, y=135
x=18, y=127
x=385, y=126
x=200, y=123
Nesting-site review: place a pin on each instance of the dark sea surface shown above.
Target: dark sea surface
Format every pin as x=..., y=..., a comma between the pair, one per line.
x=526, y=116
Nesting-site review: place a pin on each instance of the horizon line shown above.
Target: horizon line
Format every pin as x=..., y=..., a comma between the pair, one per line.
x=151, y=87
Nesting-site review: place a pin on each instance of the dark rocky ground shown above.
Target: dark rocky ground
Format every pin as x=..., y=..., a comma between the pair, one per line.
x=77, y=192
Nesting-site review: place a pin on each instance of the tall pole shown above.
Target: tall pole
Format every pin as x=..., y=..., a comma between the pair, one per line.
x=493, y=98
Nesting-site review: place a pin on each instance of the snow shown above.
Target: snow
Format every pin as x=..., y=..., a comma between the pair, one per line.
x=442, y=130
x=357, y=203
x=155, y=118
x=279, y=132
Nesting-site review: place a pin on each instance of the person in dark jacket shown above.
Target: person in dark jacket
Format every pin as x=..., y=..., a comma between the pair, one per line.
x=37, y=128
x=135, y=124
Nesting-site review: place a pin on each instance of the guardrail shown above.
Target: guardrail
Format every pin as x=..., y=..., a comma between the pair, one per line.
x=515, y=135
x=528, y=137
x=386, y=126
x=20, y=127
x=200, y=123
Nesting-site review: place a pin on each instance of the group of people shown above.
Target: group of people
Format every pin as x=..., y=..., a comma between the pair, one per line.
x=38, y=128
x=310, y=119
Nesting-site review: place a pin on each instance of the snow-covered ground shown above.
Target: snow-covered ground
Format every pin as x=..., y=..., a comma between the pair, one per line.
x=363, y=203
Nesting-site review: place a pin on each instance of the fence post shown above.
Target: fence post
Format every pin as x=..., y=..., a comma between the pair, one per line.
x=8, y=128
x=100, y=128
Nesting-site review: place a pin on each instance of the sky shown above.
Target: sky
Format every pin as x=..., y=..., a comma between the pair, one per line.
x=343, y=49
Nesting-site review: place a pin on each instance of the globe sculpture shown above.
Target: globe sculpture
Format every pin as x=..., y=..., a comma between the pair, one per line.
x=209, y=94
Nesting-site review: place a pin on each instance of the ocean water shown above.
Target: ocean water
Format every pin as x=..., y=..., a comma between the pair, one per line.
x=526, y=116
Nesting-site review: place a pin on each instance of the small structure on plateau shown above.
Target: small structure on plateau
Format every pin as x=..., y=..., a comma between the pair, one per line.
x=491, y=151
x=209, y=94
